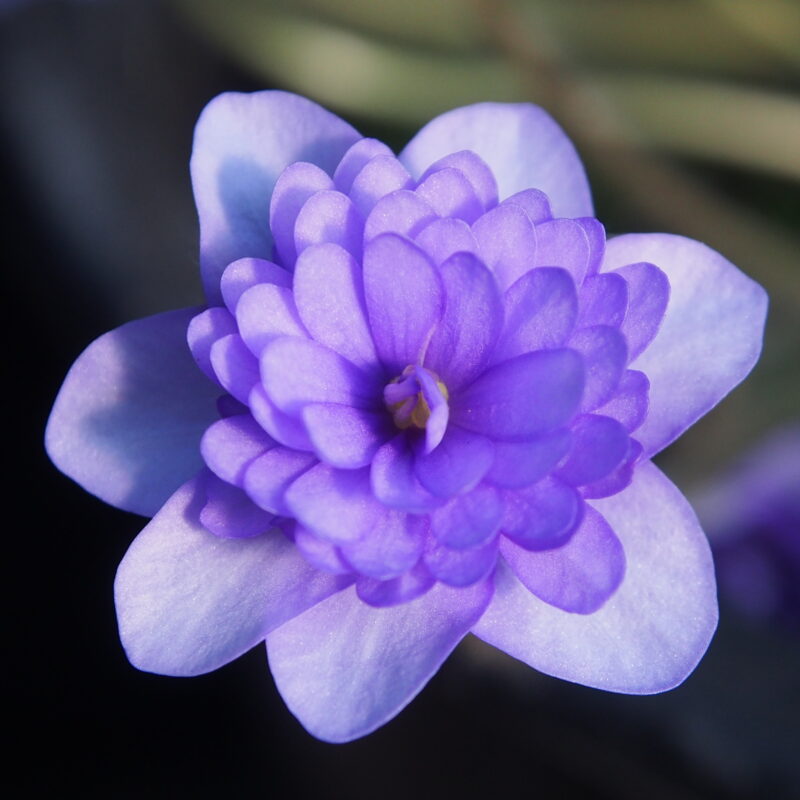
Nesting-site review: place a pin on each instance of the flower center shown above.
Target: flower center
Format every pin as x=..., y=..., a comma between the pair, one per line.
x=410, y=396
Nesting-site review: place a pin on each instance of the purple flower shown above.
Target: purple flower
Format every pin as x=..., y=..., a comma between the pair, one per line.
x=429, y=390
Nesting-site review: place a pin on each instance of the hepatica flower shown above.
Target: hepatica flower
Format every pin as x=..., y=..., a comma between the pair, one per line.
x=421, y=402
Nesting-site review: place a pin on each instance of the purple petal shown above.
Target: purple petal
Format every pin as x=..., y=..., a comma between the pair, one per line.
x=709, y=339
x=596, y=236
x=522, y=145
x=445, y=237
x=355, y=159
x=456, y=465
x=320, y=553
x=534, y=203
x=652, y=632
x=393, y=546
x=346, y=437
x=477, y=172
x=296, y=184
x=617, y=480
x=300, y=371
x=189, y=602
x=506, y=243
x=394, y=482
x=581, y=575
x=247, y=272
x=264, y=312
x=648, y=295
x=336, y=504
x=228, y=512
x=518, y=399
x=379, y=177
x=204, y=330
x=408, y=586
x=345, y=668
x=599, y=445
x=436, y=425
x=470, y=519
x=127, y=422
x=267, y=478
x=602, y=300
x=540, y=312
x=605, y=354
x=402, y=212
x=404, y=299
x=329, y=216
x=471, y=322
x=563, y=243
x=329, y=292
x=460, y=567
x=230, y=444
x=518, y=464
x=242, y=143
x=235, y=366
x=450, y=194
x=287, y=430
x=630, y=401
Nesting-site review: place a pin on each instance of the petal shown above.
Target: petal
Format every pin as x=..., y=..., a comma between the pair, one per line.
x=242, y=143
x=345, y=668
x=605, y=354
x=189, y=602
x=235, y=366
x=228, y=512
x=563, y=243
x=522, y=145
x=408, y=586
x=127, y=422
x=521, y=398
x=329, y=292
x=456, y=465
x=534, y=203
x=460, y=567
x=379, y=177
x=477, y=172
x=394, y=482
x=518, y=464
x=630, y=401
x=246, y=272
x=266, y=311
x=710, y=337
x=603, y=300
x=596, y=236
x=355, y=159
x=652, y=632
x=471, y=322
x=435, y=398
x=267, y=477
x=404, y=299
x=444, y=237
x=329, y=216
x=470, y=519
x=617, y=480
x=648, y=295
x=579, y=576
x=403, y=212
x=599, y=446
x=450, y=194
x=230, y=444
x=320, y=553
x=393, y=546
x=289, y=431
x=506, y=243
x=205, y=329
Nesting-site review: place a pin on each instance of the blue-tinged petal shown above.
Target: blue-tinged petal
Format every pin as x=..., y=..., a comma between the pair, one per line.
x=518, y=464
x=470, y=519
x=267, y=477
x=648, y=296
x=289, y=431
x=456, y=465
x=265, y=312
x=477, y=172
x=228, y=512
x=599, y=446
x=506, y=243
x=394, y=482
x=605, y=354
x=235, y=367
x=450, y=194
x=329, y=216
x=242, y=143
x=403, y=212
x=443, y=238
x=534, y=203
x=230, y=444
x=355, y=159
x=189, y=602
x=345, y=668
x=602, y=300
x=205, y=329
x=710, y=337
x=247, y=272
x=563, y=243
x=408, y=586
x=460, y=567
x=127, y=422
x=380, y=176
x=653, y=630
x=522, y=144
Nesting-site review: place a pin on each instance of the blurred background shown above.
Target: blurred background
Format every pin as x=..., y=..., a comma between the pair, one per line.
x=687, y=114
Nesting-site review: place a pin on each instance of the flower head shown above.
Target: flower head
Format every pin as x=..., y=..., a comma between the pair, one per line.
x=427, y=395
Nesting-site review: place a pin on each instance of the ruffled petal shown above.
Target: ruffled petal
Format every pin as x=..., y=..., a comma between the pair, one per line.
x=127, y=422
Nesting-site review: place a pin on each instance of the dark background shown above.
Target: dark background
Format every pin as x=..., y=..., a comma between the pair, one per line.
x=97, y=106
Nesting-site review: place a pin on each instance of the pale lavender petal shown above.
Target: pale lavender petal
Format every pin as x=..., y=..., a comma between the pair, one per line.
x=518, y=399
x=355, y=159
x=322, y=554
x=652, y=632
x=518, y=464
x=189, y=602
x=437, y=403
x=469, y=519
x=289, y=431
x=534, y=203
x=267, y=478
x=296, y=184
x=230, y=444
x=599, y=445
x=445, y=237
x=542, y=516
x=581, y=575
x=540, y=312
x=336, y=504
x=301, y=371
x=450, y=194
x=228, y=512
x=460, y=567
x=329, y=216
x=204, y=330
x=346, y=437
x=471, y=322
x=404, y=299
x=602, y=300
x=235, y=366
x=403, y=212
x=127, y=422
x=247, y=272
x=394, y=482
x=345, y=668
x=715, y=318
x=605, y=354
x=648, y=295
x=506, y=243
x=563, y=243
x=329, y=292
x=456, y=465
x=630, y=401
x=380, y=176
x=522, y=145
x=408, y=586
x=393, y=546
x=596, y=236
x=242, y=143
x=266, y=311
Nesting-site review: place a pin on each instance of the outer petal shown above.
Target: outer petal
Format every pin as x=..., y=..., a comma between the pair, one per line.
x=189, y=602
x=710, y=337
x=652, y=632
x=242, y=143
x=127, y=422
x=345, y=668
x=522, y=144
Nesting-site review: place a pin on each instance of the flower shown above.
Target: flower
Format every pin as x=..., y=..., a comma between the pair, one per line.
x=429, y=390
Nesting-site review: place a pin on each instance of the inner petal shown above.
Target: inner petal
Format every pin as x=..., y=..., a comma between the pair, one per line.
x=418, y=398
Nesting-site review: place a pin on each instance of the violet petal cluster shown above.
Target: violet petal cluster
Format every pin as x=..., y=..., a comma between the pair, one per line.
x=421, y=402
